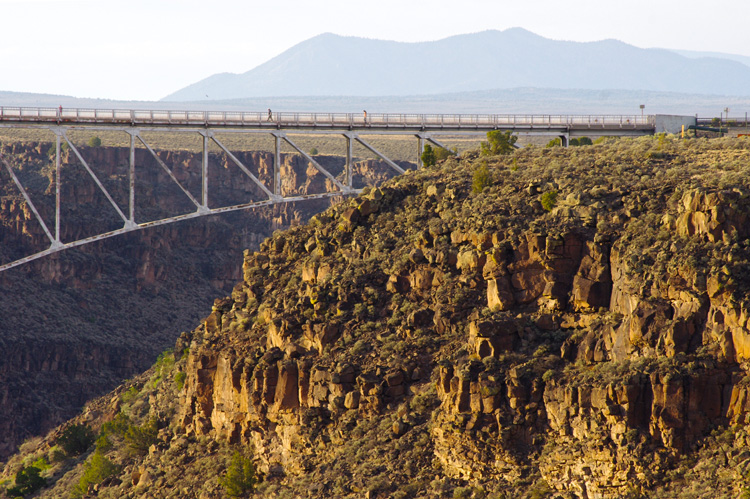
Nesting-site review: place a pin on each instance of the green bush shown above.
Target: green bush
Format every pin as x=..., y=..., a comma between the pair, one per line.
x=96, y=470
x=95, y=141
x=441, y=153
x=76, y=439
x=498, y=142
x=556, y=142
x=179, y=379
x=240, y=478
x=481, y=179
x=118, y=426
x=140, y=438
x=549, y=200
x=28, y=481
x=428, y=156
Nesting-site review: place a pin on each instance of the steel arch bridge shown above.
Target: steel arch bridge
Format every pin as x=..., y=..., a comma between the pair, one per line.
x=425, y=128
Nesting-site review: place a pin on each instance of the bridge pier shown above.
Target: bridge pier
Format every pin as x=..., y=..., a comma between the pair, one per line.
x=204, y=173
x=277, y=164
x=57, y=185
x=349, y=158
x=131, y=177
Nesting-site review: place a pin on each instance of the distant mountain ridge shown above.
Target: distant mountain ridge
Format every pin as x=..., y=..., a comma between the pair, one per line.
x=333, y=65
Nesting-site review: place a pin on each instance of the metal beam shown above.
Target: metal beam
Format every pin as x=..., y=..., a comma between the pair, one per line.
x=60, y=247
x=58, y=181
x=246, y=170
x=198, y=206
x=420, y=150
x=54, y=243
x=277, y=163
x=131, y=178
x=204, y=174
x=96, y=179
x=382, y=156
x=317, y=165
x=349, y=159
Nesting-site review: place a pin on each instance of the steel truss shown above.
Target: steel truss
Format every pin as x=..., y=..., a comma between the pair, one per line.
x=425, y=128
x=273, y=195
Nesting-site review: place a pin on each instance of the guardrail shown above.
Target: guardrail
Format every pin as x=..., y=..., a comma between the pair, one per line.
x=313, y=120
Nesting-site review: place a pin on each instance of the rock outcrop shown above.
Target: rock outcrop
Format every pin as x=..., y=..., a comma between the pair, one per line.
x=426, y=340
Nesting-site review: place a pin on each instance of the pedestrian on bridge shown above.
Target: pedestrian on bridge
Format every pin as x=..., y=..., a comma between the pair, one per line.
x=270, y=115
x=365, y=111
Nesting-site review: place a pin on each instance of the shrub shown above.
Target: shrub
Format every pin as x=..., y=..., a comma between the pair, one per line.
x=179, y=379
x=95, y=141
x=441, y=153
x=499, y=142
x=481, y=179
x=556, y=142
x=162, y=366
x=41, y=464
x=28, y=481
x=428, y=156
x=76, y=439
x=96, y=470
x=240, y=477
x=313, y=151
x=140, y=438
x=549, y=200
x=118, y=426
x=585, y=141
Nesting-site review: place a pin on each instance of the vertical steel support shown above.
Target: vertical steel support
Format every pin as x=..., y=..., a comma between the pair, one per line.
x=349, y=156
x=131, y=178
x=277, y=165
x=420, y=150
x=57, y=186
x=204, y=191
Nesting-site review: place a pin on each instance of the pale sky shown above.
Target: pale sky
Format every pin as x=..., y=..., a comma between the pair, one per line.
x=146, y=49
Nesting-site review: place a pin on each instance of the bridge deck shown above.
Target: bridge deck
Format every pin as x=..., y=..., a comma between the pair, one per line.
x=311, y=121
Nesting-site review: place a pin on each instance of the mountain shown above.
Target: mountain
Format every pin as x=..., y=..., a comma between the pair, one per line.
x=332, y=65
x=553, y=323
x=499, y=101
x=693, y=54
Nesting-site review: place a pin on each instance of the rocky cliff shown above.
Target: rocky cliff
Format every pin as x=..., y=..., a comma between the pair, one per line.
x=553, y=323
x=77, y=323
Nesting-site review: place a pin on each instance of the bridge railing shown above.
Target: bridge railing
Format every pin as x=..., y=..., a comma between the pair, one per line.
x=312, y=120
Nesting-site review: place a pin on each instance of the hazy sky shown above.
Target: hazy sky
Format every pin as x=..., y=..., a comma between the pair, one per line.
x=146, y=49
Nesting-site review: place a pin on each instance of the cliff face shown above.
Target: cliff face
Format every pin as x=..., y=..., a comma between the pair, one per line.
x=77, y=323
x=576, y=328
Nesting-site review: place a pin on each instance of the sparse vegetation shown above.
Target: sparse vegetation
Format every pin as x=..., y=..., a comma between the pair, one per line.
x=548, y=200
x=28, y=480
x=240, y=478
x=370, y=347
x=428, y=156
x=76, y=439
x=97, y=469
x=481, y=178
x=498, y=143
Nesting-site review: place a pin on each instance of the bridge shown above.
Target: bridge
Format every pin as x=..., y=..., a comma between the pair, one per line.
x=281, y=126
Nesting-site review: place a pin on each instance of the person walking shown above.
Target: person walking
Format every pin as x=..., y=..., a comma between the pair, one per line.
x=270, y=115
